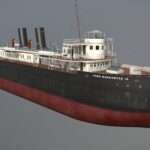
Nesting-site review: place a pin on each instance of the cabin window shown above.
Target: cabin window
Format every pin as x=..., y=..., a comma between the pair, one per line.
x=91, y=47
x=97, y=47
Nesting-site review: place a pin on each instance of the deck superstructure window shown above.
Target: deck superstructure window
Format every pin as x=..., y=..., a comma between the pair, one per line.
x=97, y=47
x=91, y=47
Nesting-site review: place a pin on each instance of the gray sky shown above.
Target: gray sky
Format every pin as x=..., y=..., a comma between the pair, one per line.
x=24, y=125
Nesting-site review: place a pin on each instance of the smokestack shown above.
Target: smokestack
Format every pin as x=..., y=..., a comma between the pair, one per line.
x=20, y=38
x=43, y=39
x=25, y=37
x=37, y=38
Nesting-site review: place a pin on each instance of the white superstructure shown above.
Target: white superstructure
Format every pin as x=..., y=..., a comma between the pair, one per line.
x=92, y=53
x=94, y=49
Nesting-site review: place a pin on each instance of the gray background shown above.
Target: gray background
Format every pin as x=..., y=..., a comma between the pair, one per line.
x=27, y=126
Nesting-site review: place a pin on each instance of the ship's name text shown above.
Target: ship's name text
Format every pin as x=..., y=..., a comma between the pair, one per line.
x=111, y=77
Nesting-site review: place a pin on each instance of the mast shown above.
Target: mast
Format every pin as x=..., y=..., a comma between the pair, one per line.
x=77, y=19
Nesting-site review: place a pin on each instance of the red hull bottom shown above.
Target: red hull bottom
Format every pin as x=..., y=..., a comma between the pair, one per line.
x=77, y=110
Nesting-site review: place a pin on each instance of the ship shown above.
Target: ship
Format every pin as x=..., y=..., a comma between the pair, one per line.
x=82, y=80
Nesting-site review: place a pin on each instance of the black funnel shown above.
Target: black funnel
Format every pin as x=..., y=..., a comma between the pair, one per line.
x=43, y=39
x=37, y=38
x=25, y=37
x=20, y=37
